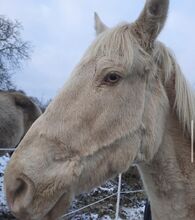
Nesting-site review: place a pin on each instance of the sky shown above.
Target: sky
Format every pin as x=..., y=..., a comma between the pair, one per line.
x=61, y=30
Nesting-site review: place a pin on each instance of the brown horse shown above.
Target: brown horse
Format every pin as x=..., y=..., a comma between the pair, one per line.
x=17, y=113
x=127, y=101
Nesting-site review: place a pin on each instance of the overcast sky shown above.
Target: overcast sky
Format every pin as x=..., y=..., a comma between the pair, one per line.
x=61, y=30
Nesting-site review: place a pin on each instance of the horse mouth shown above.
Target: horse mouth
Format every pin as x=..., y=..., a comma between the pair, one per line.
x=59, y=208
x=57, y=211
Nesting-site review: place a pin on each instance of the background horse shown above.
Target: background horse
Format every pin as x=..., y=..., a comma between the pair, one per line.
x=17, y=113
x=126, y=102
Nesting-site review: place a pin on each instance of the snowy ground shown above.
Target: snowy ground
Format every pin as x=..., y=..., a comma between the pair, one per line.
x=132, y=206
x=3, y=162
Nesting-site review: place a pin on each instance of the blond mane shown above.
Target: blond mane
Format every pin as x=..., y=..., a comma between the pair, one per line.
x=184, y=95
x=118, y=40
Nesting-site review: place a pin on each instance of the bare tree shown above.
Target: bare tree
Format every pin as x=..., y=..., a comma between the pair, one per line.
x=13, y=50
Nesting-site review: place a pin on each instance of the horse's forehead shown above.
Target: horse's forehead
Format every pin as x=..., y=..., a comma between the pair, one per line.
x=115, y=61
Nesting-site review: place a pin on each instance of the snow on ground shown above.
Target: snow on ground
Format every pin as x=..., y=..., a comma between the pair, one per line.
x=131, y=214
x=131, y=207
x=134, y=213
x=3, y=162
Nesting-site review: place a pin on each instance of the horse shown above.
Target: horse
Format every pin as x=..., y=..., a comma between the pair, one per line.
x=127, y=101
x=17, y=113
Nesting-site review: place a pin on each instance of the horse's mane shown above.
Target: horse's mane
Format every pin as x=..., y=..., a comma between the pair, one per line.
x=121, y=39
x=118, y=42
x=184, y=102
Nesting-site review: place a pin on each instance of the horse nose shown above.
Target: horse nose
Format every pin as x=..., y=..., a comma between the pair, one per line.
x=19, y=192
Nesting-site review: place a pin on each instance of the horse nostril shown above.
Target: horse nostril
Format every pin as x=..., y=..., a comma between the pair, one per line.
x=21, y=190
x=20, y=194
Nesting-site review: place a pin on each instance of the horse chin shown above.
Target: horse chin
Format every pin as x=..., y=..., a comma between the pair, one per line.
x=61, y=206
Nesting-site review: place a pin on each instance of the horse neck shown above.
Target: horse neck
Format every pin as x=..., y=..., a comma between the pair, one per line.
x=169, y=178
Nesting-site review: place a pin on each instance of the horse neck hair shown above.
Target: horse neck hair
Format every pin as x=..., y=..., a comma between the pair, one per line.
x=184, y=103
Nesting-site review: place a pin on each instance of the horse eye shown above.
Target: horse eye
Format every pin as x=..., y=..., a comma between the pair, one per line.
x=112, y=78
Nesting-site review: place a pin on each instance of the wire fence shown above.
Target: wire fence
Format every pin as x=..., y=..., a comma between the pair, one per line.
x=99, y=201
x=7, y=149
x=118, y=193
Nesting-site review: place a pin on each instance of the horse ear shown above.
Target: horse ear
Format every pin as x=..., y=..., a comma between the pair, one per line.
x=151, y=21
x=99, y=25
x=23, y=101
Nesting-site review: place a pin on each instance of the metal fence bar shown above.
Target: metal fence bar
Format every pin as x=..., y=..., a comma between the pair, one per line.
x=7, y=149
x=192, y=141
x=118, y=197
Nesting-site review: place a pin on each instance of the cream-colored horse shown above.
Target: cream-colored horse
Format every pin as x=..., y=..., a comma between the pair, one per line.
x=127, y=101
x=17, y=113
